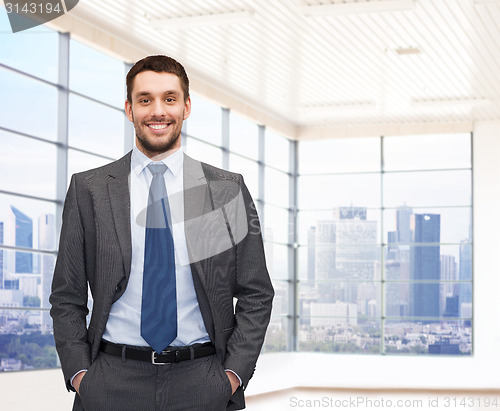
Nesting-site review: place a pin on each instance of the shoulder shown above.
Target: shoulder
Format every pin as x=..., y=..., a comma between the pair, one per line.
x=216, y=173
x=213, y=173
x=114, y=169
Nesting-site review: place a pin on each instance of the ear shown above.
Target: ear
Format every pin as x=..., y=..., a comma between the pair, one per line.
x=187, y=108
x=128, y=111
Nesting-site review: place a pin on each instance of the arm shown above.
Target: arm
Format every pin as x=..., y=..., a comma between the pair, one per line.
x=254, y=292
x=69, y=291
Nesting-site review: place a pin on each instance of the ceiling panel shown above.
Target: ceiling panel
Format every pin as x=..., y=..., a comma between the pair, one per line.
x=438, y=62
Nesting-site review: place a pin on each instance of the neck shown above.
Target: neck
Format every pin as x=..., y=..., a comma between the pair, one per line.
x=156, y=156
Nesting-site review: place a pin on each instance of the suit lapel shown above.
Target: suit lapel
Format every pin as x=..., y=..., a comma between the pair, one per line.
x=196, y=196
x=119, y=198
x=196, y=202
x=195, y=189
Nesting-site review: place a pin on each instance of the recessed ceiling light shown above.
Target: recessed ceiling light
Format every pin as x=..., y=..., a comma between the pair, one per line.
x=212, y=19
x=403, y=51
x=340, y=106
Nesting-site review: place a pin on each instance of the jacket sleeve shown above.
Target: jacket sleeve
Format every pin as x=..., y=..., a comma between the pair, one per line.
x=69, y=291
x=254, y=293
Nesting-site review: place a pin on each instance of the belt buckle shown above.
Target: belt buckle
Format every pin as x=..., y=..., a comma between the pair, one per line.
x=154, y=358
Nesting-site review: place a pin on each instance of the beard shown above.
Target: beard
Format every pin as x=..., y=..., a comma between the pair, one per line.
x=157, y=145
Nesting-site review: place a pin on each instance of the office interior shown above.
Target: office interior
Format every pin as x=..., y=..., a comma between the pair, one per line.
x=368, y=133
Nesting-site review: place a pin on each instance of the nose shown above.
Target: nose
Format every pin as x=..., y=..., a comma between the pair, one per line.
x=158, y=108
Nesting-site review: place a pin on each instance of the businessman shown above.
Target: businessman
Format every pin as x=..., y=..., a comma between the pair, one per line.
x=171, y=251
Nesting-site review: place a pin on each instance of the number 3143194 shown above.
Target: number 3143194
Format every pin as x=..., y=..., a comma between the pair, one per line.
x=34, y=8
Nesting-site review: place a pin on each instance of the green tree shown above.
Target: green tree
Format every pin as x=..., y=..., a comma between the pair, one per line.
x=14, y=347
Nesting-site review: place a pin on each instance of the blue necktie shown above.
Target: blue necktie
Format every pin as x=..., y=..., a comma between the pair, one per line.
x=159, y=302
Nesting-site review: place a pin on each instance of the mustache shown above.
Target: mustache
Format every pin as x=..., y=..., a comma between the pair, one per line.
x=159, y=120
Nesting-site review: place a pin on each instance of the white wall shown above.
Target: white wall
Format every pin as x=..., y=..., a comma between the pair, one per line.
x=44, y=390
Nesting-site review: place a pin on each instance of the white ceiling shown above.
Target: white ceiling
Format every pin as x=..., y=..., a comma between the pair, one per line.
x=436, y=63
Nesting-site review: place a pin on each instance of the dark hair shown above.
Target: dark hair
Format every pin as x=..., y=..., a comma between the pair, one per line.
x=158, y=64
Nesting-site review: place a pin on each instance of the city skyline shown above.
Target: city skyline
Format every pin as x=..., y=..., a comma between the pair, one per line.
x=349, y=238
x=341, y=299
x=25, y=283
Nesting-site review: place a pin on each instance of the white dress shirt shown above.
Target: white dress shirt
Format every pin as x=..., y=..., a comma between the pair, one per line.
x=124, y=322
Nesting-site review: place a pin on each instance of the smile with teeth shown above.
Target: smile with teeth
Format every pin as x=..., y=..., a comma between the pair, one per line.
x=158, y=126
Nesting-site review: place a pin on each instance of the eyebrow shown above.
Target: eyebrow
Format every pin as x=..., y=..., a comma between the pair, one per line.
x=166, y=93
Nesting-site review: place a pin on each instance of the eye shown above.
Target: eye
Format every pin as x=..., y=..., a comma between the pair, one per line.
x=144, y=100
x=169, y=100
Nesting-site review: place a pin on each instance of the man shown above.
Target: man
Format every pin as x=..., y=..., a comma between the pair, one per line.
x=164, y=268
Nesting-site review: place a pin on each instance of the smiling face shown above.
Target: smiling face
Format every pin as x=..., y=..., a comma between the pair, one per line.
x=157, y=109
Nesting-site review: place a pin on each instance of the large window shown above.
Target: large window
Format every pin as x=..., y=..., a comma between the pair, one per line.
x=385, y=256
x=203, y=132
x=278, y=236
x=48, y=130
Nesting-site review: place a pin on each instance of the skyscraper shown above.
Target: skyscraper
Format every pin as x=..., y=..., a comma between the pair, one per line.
x=425, y=267
x=324, y=267
x=397, y=266
x=18, y=231
x=346, y=255
x=448, y=286
x=465, y=274
x=22, y=231
x=465, y=271
x=392, y=251
x=403, y=219
x=351, y=213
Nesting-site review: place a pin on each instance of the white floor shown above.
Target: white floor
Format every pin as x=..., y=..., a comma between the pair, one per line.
x=317, y=399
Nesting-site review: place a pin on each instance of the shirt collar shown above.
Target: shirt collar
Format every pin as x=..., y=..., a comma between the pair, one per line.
x=140, y=161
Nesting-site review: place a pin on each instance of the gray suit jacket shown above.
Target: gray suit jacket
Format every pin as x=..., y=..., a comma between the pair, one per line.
x=226, y=256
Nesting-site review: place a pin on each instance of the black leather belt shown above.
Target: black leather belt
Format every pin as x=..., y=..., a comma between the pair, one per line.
x=170, y=355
